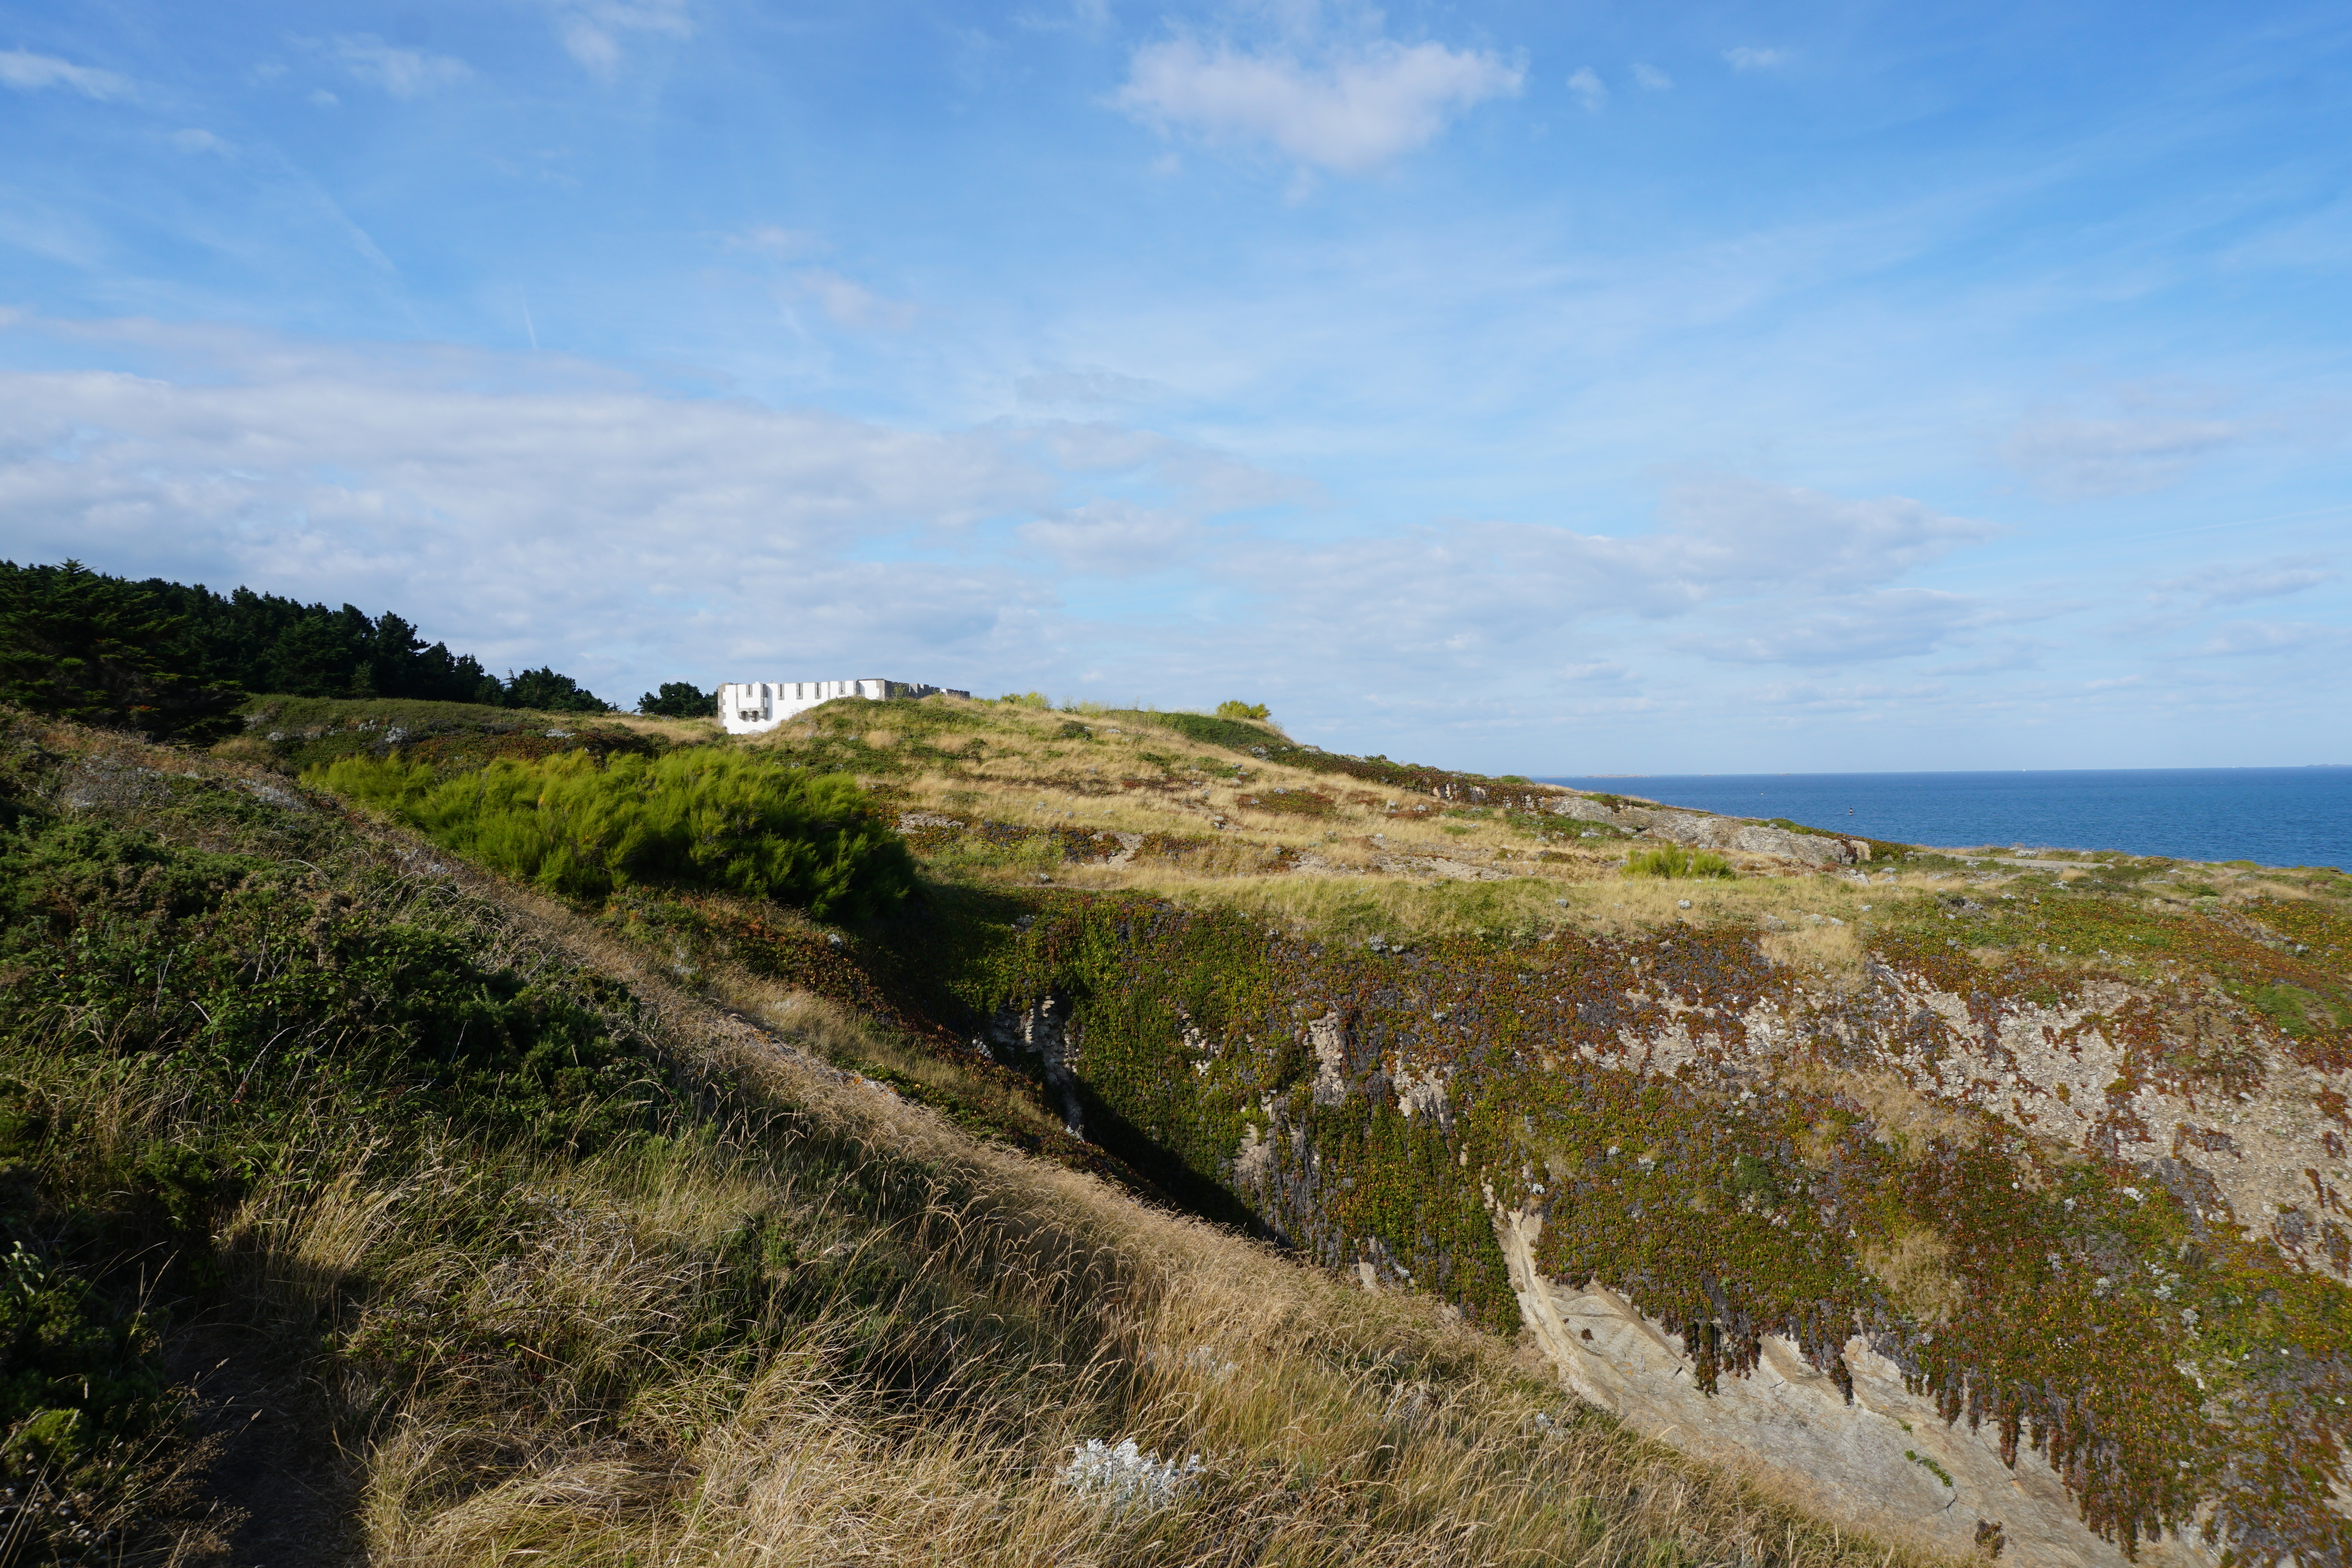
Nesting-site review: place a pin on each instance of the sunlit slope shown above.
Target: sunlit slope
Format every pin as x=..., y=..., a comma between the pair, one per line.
x=2058, y=1141
x=2036, y=1161
x=364, y=1206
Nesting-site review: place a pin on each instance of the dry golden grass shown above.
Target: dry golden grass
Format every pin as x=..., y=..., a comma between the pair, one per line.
x=1830, y=953
x=1040, y=1308
x=527, y=1357
x=1905, y=1121
x=1383, y=862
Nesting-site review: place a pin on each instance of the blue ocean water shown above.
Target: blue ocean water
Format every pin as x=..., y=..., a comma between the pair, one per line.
x=2275, y=816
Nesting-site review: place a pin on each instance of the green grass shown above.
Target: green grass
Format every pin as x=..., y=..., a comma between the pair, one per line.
x=700, y=816
x=1674, y=860
x=529, y=1255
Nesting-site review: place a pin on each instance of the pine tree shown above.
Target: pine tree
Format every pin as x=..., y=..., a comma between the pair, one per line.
x=79, y=645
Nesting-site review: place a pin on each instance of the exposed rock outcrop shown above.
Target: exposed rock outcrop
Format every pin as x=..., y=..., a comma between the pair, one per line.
x=1882, y=1459
x=1700, y=830
x=1040, y=1033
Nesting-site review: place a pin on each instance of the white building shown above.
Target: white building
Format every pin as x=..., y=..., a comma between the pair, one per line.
x=747, y=707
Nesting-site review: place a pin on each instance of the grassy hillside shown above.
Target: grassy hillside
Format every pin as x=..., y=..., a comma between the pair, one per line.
x=2063, y=1136
x=362, y=1205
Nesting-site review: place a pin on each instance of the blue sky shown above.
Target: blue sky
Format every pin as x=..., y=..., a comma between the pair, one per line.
x=1554, y=389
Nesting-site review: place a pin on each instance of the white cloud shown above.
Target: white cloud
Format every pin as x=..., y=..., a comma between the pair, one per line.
x=1355, y=108
x=1590, y=89
x=2139, y=449
x=403, y=73
x=28, y=72
x=1726, y=529
x=2274, y=637
x=574, y=515
x=545, y=509
x=320, y=98
x=1208, y=480
x=1650, y=79
x=1888, y=624
x=1751, y=57
x=2218, y=585
x=852, y=304
x=1760, y=571
x=591, y=30
x=195, y=140
x=1115, y=538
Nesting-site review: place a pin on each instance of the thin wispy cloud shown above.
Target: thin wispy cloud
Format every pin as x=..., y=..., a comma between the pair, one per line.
x=1590, y=89
x=1091, y=387
x=1109, y=537
x=1852, y=629
x=28, y=72
x=1650, y=79
x=595, y=32
x=2241, y=639
x=1754, y=58
x=2132, y=452
x=775, y=240
x=2225, y=583
x=1349, y=108
x=848, y=303
x=401, y=72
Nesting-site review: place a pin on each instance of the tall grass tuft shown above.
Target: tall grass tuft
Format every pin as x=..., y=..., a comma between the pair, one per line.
x=697, y=817
x=1672, y=860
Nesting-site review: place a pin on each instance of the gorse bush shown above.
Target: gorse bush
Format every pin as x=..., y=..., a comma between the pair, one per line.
x=696, y=818
x=1239, y=709
x=1672, y=860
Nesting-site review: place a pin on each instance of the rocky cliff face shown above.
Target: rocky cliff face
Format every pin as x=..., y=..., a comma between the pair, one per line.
x=1989, y=1249
x=1872, y=1451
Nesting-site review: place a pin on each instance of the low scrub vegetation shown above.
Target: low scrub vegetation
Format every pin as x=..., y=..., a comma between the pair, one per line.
x=658, y=1223
x=695, y=816
x=363, y=1209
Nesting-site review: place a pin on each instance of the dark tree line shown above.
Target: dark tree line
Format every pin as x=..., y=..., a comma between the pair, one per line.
x=174, y=660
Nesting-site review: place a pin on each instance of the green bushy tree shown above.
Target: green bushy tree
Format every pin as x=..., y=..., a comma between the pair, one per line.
x=680, y=699
x=174, y=660
x=544, y=691
x=1239, y=709
x=80, y=645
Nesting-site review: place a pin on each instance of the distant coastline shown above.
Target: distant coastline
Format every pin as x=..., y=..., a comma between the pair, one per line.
x=2299, y=815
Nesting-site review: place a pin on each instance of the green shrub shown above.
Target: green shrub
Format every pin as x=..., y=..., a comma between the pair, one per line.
x=697, y=818
x=1672, y=860
x=1238, y=709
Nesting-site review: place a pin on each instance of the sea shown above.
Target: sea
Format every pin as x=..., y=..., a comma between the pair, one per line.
x=2272, y=816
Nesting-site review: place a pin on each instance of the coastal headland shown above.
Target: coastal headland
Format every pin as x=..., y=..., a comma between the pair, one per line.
x=1950, y=1204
